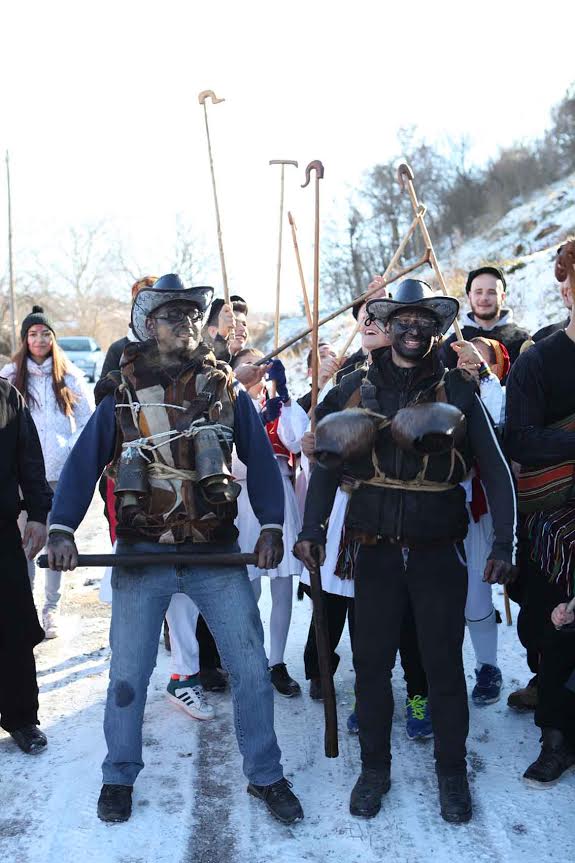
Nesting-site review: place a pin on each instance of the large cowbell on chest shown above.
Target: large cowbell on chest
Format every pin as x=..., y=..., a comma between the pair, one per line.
x=345, y=436
x=132, y=482
x=429, y=428
x=212, y=472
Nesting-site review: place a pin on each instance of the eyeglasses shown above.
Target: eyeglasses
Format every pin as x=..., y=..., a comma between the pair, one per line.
x=178, y=316
x=425, y=328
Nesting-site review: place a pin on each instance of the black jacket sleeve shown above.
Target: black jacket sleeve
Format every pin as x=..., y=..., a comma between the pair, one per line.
x=498, y=480
x=319, y=500
x=526, y=439
x=36, y=491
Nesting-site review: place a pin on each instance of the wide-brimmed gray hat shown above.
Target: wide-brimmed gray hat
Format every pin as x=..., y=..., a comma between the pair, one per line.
x=414, y=294
x=167, y=288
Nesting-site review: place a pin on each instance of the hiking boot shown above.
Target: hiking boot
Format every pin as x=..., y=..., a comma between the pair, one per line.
x=280, y=800
x=418, y=718
x=524, y=700
x=50, y=621
x=454, y=798
x=283, y=683
x=213, y=680
x=365, y=800
x=30, y=739
x=487, y=689
x=115, y=803
x=315, y=689
x=555, y=758
x=189, y=695
x=352, y=723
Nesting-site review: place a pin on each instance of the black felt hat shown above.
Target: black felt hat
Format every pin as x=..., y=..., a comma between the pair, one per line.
x=217, y=307
x=414, y=294
x=491, y=270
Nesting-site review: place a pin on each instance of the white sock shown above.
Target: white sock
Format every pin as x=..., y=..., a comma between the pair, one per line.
x=483, y=634
x=282, y=592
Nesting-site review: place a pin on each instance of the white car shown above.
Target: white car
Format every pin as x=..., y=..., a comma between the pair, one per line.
x=85, y=353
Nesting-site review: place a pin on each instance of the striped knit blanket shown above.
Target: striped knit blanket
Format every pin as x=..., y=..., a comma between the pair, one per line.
x=552, y=536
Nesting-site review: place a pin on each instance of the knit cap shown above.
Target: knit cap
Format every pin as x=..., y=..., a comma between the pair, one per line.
x=37, y=316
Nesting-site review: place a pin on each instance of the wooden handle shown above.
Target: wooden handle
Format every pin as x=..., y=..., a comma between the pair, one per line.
x=162, y=557
x=324, y=661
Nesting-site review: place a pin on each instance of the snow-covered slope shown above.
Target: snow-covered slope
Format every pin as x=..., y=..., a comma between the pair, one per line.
x=523, y=242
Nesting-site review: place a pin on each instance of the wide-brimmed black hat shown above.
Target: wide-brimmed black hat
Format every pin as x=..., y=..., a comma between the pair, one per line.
x=414, y=294
x=166, y=289
x=491, y=270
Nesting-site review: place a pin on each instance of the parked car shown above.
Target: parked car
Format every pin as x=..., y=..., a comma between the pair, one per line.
x=85, y=353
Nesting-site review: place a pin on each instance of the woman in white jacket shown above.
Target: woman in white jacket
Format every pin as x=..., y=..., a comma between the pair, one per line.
x=61, y=404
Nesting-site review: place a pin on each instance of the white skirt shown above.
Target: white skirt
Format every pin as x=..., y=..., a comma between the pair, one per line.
x=249, y=528
x=331, y=582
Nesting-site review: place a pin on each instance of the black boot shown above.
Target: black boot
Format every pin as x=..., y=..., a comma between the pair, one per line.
x=213, y=680
x=281, y=680
x=115, y=803
x=280, y=800
x=367, y=792
x=454, y=798
x=555, y=758
x=30, y=739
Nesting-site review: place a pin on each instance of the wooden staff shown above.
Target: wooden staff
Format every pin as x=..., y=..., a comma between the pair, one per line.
x=319, y=615
x=205, y=94
x=365, y=296
x=506, y=603
x=406, y=176
x=283, y=163
x=143, y=559
x=13, y=340
x=291, y=220
x=392, y=264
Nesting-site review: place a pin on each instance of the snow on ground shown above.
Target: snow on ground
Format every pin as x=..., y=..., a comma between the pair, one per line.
x=190, y=803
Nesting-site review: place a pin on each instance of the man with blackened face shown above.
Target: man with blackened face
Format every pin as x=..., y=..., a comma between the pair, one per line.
x=407, y=519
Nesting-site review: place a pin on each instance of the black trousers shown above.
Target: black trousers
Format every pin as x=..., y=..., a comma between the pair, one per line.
x=337, y=608
x=435, y=580
x=20, y=631
x=556, y=701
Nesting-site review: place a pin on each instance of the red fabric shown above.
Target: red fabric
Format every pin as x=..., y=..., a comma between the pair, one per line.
x=111, y=508
x=277, y=446
x=478, y=503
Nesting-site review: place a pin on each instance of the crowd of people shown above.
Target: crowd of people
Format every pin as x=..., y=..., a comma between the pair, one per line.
x=439, y=467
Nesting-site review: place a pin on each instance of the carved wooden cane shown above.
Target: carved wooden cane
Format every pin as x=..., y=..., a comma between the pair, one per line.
x=283, y=163
x=205, y=94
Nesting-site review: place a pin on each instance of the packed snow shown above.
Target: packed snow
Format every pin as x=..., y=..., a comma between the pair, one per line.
x=190, y=802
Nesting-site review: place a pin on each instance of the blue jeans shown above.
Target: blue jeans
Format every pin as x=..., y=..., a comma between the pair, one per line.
x=225, y=598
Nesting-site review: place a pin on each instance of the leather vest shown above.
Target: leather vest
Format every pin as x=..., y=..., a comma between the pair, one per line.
x=154, y=412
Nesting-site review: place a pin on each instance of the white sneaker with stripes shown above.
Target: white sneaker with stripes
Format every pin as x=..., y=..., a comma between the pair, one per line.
x=191, y=698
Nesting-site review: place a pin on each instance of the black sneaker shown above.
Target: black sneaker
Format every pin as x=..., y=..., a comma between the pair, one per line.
x=315, y=689
x=280, y=800
x=454, y=798
x=367, y=792
x=555, y=758
x=213, y=680
x=284, y=684
x=115, y=803
x=30, y=739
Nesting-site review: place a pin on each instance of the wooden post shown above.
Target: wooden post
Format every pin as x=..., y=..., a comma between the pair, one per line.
x=306, y=305
x=13, y=339
x=283, y=163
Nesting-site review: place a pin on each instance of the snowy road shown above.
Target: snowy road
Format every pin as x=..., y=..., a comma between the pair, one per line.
x=190, y=804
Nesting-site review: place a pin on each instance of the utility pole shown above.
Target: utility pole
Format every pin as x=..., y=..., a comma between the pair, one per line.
x=10, y=262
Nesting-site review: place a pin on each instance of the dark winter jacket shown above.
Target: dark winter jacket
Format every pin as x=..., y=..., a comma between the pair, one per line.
x=549, y=330
x=21, y=462
x=540, y=392
x=505, y=331
x=408, y=516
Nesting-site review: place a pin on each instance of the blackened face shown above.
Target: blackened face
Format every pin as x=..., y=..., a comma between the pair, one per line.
x=176, y=326
x=413, y=333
